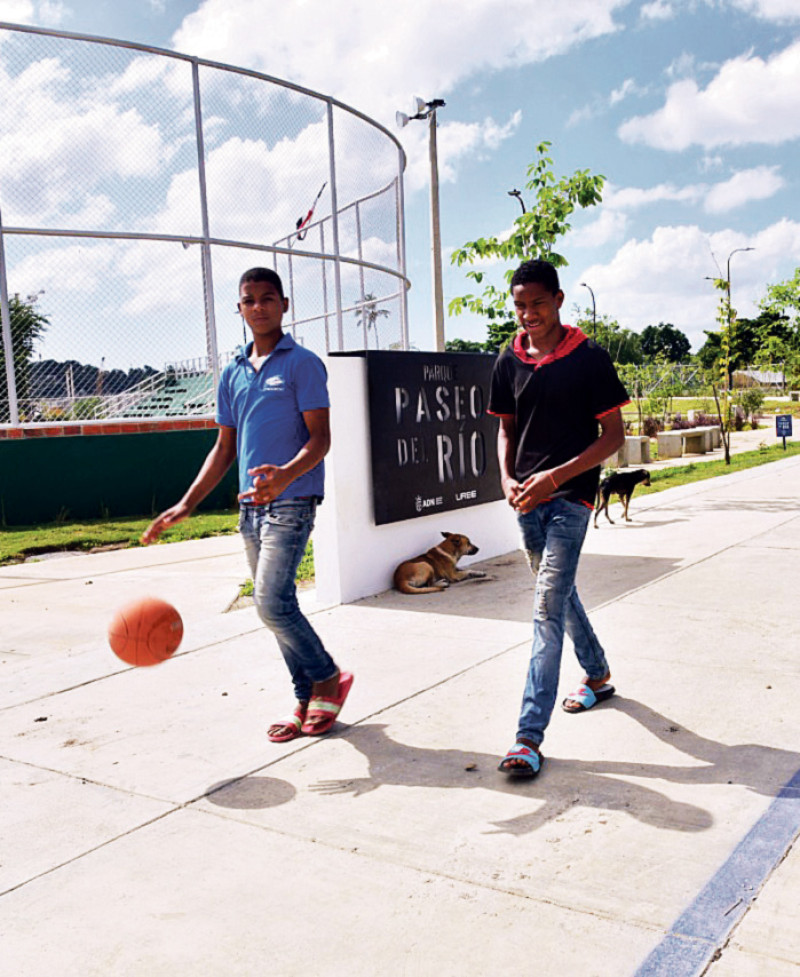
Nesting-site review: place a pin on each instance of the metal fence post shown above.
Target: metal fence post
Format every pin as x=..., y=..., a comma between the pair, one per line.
x=208, y=279
x=8, y=340
x=401, y=250
x=337, y=269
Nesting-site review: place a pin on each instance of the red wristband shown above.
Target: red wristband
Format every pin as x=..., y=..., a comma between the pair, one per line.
x=555, y=483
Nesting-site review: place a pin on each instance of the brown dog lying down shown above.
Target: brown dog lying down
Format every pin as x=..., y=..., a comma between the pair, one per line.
x=436, y=570
x=621, y=484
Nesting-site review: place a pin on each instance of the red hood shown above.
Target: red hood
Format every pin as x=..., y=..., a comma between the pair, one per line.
x=571, y=341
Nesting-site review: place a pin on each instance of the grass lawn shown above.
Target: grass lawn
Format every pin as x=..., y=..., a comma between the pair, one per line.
x=668, y=478
x=20, y=542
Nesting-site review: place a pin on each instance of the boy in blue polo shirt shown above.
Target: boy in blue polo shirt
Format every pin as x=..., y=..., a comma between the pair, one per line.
x=272, y=412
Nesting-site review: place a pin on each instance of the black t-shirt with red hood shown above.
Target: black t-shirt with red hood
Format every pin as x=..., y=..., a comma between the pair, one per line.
x=557, y=403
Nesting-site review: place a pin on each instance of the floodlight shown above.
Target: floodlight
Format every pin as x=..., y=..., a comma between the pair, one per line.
x=401, y=119
x=419, y=105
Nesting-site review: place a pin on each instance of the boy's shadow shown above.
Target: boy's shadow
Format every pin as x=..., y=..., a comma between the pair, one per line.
x=567, y=783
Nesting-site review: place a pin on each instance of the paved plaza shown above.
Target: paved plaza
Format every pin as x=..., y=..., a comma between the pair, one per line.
x=150, y=829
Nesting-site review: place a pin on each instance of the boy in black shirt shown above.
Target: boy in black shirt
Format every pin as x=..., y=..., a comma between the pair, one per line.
x=559, y=402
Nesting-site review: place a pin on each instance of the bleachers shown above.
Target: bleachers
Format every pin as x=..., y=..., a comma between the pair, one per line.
x=173, y=395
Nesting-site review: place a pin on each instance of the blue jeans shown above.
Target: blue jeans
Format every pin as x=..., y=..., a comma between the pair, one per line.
x=275, y=537
x=552, y=537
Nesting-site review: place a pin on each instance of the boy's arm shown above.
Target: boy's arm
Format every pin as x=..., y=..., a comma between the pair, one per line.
x=217, y=462
x=506, y=455
x=271, y=480
x=543, y=484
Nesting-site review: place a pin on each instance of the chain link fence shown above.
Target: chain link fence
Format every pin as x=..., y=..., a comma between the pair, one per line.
x=135, y=187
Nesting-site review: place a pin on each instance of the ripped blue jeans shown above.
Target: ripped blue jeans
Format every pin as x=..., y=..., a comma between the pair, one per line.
x=552, y=537
x=275, y=537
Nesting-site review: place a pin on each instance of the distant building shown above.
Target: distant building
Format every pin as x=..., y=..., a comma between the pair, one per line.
x=758, y=378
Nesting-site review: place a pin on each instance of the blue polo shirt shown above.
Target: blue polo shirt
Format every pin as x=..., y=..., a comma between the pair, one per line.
x=266, y=408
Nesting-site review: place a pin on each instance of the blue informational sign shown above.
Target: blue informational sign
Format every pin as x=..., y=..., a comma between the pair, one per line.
x=783, y=426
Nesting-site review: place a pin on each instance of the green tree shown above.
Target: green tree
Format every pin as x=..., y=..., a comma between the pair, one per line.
x=623, y=345
x=534, y=235
x=783, y=300
x=464, y=346
x=27, y=326
x=722, y=382
x=753, y=341
x=368, y=313
x=666, y=340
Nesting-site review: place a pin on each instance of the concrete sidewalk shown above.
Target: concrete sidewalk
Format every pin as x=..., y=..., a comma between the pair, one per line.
x=148, y=827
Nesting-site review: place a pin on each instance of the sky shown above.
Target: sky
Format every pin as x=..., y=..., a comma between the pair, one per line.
x=689, y=108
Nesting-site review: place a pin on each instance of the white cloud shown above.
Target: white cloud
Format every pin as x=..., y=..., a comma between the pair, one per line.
x=662, y=279
x=456, y=140
x=777, y=10
x=746, y=185
x=628, y=87
x=376, y=55
x=658, y=10
x=682, y=66
x=56, y=148
x=631, y=198
x=749, y=101
x=43, y=13
x=609, y=226
x=581, y=115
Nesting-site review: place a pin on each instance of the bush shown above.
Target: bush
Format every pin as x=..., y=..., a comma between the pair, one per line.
x=706, y=420
x=651, y=426
x=680, y=423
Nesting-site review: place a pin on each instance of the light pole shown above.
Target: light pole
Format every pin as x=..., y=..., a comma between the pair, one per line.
x=726, y=339
x=594, y=311
x=729, y=311
x=518, y=195
x=427, y=110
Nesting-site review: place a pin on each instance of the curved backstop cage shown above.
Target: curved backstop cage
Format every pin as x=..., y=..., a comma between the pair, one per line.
x=136, y=184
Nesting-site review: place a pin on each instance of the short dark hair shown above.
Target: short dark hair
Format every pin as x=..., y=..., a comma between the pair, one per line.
x=537, y=272
x=262, y=275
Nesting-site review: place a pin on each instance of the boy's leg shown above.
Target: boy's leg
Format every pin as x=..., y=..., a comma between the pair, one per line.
x=552, y=535
x=588, y=649
x=275, y=539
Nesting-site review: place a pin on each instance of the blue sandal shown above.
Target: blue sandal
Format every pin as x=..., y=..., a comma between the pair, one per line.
x=532, y=759
x=584, y=698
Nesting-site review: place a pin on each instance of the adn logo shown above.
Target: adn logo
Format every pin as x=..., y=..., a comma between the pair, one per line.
x=420, y=503
x=275, y=382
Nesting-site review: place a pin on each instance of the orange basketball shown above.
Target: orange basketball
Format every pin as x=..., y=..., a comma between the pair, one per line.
x=145, y=632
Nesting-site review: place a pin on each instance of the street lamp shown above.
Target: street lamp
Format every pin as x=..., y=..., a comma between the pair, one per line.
x=427, y=110
x=518, y=195
x=594, y=311
x=728, y=296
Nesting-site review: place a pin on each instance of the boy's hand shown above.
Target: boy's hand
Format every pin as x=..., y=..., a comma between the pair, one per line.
x=534, y=490
x=511, y=489
x=268, y=483
x=167, y=518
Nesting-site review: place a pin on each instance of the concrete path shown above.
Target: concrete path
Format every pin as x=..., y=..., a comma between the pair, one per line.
x=148, y=828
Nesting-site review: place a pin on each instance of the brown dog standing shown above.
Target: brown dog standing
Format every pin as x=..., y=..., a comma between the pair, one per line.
x=435, y=570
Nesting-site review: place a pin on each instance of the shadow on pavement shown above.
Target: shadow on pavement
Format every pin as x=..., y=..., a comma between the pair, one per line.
x=507, y=593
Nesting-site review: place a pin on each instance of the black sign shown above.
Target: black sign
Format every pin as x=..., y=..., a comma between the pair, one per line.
x=783, y=425
x=434, y=447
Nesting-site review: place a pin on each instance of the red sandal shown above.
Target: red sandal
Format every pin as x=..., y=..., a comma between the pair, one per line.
x=325, y=710
x=292, y=725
